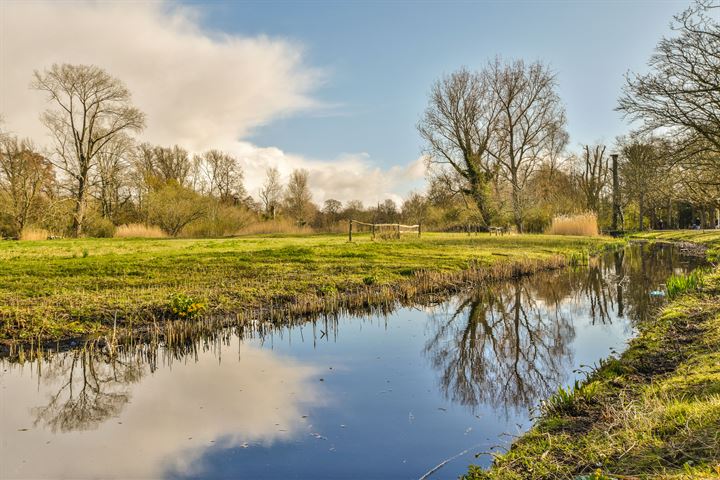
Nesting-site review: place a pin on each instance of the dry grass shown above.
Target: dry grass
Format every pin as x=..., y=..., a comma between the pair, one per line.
x=584, y=224
x=139, y=230
x=34, y=234
x=284, y=226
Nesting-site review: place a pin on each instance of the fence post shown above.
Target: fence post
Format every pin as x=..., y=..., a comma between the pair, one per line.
x=419, y=229
x=350, y=230
x=398, y=231
x=373, y=231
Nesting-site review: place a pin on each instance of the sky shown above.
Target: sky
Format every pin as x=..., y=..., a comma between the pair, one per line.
x=333, y=87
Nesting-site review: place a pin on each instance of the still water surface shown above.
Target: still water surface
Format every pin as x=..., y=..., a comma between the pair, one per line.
x=357, y=397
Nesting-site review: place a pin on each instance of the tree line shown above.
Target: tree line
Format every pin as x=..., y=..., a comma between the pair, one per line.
x=495, y=142
x=496, y=139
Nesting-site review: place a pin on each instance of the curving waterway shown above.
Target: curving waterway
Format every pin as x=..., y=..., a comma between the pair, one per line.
x=389, y=396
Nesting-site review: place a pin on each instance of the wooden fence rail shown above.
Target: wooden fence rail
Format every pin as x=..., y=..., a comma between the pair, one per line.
x=373, y=226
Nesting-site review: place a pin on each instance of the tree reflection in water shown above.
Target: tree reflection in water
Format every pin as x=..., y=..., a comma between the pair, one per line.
x=508, y=345
x=93, y=386
x=500, y=347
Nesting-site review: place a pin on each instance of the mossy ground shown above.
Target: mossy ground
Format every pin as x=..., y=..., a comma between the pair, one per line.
x=654, y=412
x=68, y=288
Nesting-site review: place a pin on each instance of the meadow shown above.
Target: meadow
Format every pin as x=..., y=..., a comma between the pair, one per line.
x=60, y=289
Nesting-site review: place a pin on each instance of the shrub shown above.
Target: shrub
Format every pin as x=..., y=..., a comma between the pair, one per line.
x=173, y=207
x=222, y=221
x=138, y=230
x=99, y=227
x=33, y=234
x=584, y=224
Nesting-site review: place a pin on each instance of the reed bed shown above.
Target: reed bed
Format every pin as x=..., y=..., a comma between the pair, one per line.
x=584, y=224
x=279, y=226
x=139, y=230
x=31, y=234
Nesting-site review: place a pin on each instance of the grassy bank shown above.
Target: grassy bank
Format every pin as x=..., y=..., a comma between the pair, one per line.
x=68, y=288
x=709, y=238
x=654, y=412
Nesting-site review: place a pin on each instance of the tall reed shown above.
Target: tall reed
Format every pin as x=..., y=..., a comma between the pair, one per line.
x=139, y=230
x=280, y=225
x=584, y=224
x=34, y=234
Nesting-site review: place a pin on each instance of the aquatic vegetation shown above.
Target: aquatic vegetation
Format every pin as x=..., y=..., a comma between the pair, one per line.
x=678, y=284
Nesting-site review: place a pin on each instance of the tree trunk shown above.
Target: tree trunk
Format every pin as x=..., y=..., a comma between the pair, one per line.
x=517, y=210
x=79, y=215
x=481, y=202
x=642, y=212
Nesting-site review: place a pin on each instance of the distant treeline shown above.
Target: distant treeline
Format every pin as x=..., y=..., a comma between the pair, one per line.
x=496, y=148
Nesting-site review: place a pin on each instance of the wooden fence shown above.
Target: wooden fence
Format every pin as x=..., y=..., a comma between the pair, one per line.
x=397, y=228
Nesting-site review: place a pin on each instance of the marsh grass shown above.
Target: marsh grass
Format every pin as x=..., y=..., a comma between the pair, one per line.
x=280, y=226
x=139, y=230
x=584, y=224
x=34, y=234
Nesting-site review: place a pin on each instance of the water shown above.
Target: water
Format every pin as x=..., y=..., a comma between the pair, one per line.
x=355, y=397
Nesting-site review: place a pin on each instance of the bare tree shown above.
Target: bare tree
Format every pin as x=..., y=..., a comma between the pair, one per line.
x=331, y=209
x=223, y=175
x=415, y=208
x=113, y=183
x=457, y=127
x=271, y=192
x=161, y=165
x=640, y=170
x=298, y=199
x=24, y=174
x=91, y=109
x=530, y=123
x=593, y=176
x=682, y=88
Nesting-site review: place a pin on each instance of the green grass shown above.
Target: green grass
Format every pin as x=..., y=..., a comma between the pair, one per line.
x=654, y=412
x=66, y=288
x=678, y=284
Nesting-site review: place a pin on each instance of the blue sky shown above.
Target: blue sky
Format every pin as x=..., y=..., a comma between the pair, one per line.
x=335, y=88
x=380, y=58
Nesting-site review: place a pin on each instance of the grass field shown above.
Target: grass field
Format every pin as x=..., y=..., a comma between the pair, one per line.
x=68, y=288
x=653, y=412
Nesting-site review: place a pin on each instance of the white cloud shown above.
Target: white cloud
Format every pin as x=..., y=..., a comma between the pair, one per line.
x=199, y=89
x=349, y=177
x=166, y=425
